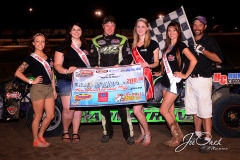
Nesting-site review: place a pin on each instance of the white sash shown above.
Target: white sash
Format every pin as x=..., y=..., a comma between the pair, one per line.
x=44, y=63
x=81, y=54
x=173, y=80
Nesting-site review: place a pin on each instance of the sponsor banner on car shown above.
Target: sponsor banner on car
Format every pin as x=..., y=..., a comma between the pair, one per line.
x=233, y=78
x=92, y=87
x=152, y=115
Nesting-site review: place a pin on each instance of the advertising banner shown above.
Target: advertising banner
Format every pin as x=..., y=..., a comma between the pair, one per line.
x=95, y=87
x=20, y=32
x=7, y=32
x=59, y=32
x=97, y=32
x=127, y=32
x=88, y=32
x=47, y=32
x=32, y=32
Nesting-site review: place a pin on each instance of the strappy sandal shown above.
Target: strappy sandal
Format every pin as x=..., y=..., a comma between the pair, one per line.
x=75, y=138
x=139, y=139
x=68, y=139
x=147, y=140
x=39, y=143
x=43, y=140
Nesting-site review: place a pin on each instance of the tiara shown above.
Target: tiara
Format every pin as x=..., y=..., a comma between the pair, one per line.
x=142, y=19
x=38, y=34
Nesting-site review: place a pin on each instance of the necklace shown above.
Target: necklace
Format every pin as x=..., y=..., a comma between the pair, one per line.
x=170, y=47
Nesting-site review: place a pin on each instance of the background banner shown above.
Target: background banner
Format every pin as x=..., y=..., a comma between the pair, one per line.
x=93, y=87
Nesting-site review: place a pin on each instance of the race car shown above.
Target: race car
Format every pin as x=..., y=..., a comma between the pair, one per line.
x=15, y=103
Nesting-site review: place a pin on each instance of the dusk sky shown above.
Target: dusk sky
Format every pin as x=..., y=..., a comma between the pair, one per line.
x=47, y=14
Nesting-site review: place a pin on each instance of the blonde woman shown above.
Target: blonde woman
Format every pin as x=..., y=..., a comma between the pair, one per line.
x=145, y=51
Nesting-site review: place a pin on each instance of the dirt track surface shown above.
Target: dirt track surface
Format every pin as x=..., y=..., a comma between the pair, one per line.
x=16, y=143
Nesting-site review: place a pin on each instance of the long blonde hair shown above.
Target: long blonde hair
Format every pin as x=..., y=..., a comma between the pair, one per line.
x=147, y=38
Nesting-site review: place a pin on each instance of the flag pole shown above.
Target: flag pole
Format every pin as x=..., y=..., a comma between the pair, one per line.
x=188, y=24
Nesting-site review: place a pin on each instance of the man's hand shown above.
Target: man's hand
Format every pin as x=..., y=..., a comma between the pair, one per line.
x=199, y=48
x=116, y=66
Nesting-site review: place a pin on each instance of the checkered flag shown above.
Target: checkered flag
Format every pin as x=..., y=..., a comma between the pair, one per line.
x=158, y=28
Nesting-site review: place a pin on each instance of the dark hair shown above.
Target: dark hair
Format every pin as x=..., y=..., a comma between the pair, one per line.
x=177, y=27
x=68, y=38
x=108, y=18
x=31, y=47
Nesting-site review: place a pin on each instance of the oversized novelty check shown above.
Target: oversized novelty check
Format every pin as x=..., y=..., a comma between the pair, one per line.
x=93, y=87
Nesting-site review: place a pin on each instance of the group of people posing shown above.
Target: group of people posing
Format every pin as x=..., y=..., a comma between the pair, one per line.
x=179, y=62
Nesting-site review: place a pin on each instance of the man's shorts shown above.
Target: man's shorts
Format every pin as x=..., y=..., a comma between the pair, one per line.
x=179, y=90
x=41, y=91
x=198, y=97
x=64, y=87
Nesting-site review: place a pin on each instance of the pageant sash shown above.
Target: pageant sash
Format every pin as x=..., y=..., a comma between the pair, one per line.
x=147, y=73
x=173, y=80
x=44, y=63
x=81, y=54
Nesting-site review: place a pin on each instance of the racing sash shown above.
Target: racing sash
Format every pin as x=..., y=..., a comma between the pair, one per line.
x=173, y=80
x=147, y=73
x=44, y=63
x=81, y=54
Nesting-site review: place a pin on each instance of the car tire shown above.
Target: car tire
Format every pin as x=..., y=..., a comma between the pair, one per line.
x=55, y=128
x=157, y=92
x=226, y=115
x=1, y=107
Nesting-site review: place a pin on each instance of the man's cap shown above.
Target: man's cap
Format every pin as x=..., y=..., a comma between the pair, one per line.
x=201, y=19
x=108, y=18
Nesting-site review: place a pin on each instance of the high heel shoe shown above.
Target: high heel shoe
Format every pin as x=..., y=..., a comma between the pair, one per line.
x=139, y=139
x=147, y=140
